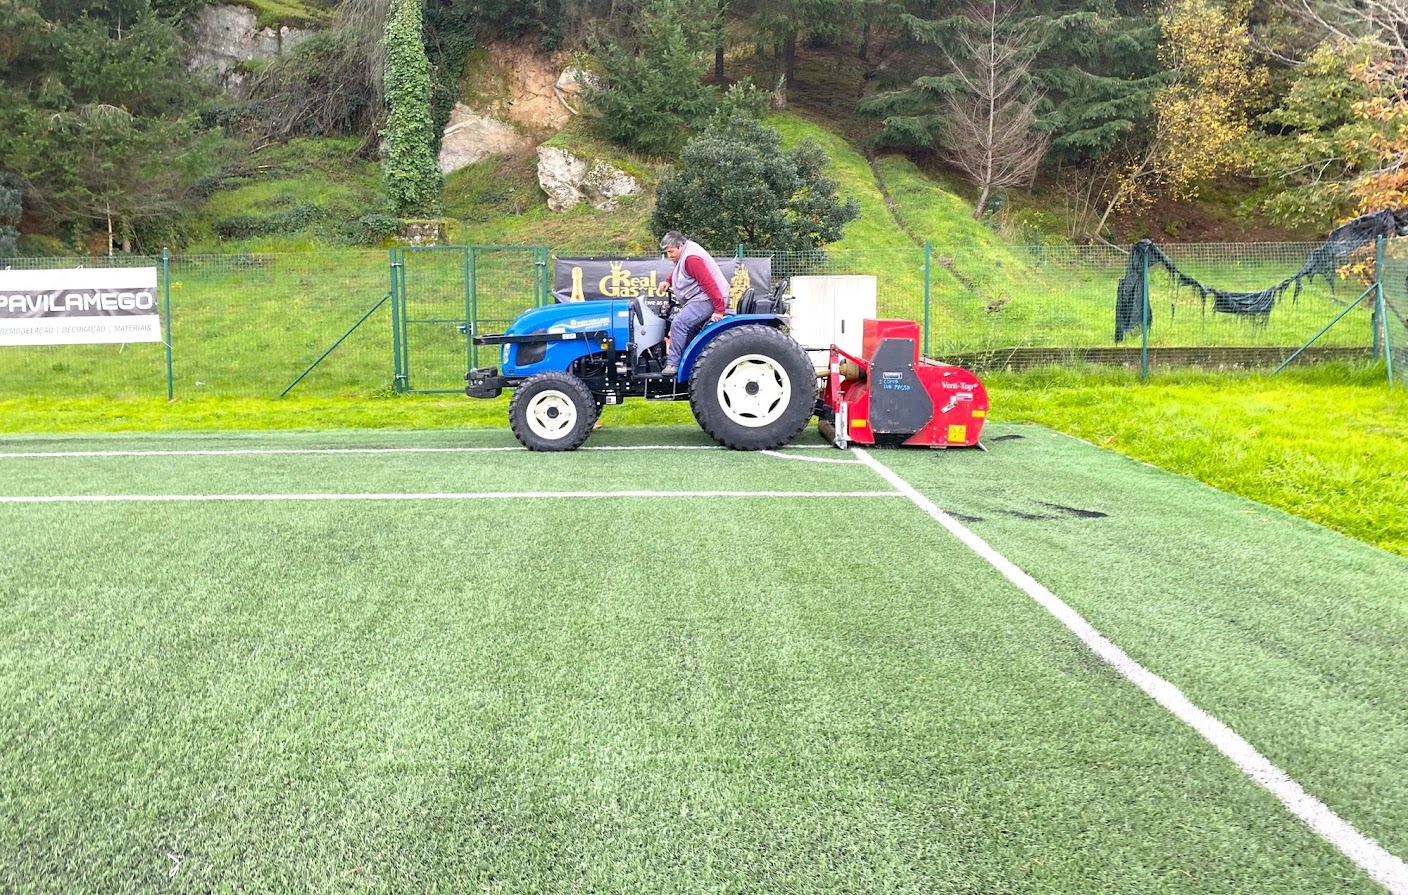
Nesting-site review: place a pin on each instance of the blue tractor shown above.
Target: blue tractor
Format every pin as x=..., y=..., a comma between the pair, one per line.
x=750, y=385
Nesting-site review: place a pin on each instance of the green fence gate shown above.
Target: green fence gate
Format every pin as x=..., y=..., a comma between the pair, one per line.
x=443, y=296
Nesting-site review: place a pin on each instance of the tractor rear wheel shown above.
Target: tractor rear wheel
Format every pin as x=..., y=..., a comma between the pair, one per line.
x=552, y=412
x=753, y=388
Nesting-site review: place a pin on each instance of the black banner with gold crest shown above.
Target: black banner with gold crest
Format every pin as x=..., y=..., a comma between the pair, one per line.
x=588, y=279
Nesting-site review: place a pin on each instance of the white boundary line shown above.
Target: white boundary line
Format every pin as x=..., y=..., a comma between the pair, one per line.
x=781, y=456
x=1383, y=866
x=243, y=452
x=465, y=495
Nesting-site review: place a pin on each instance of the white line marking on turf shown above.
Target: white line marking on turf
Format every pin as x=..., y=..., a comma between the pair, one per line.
x=1385, y=867
x=251, y=452
x=242, y=452
x=467, y=495
x=783, y=456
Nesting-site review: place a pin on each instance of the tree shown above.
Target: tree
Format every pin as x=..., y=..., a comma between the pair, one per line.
x=1094, y=64
x=991, y=132
x=913, y=116
x=1200, y=117
x=1098, y=68
x=118, y=172
x=653, y=96
x=413, y=179
x=10, y=211
x=1383, y=182
x=1317, y=142
x=735, y=185
x=1383, y=24
x=785, y=23
x=97, y=118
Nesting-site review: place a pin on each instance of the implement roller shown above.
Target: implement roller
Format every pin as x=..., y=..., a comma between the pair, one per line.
x=892, y=395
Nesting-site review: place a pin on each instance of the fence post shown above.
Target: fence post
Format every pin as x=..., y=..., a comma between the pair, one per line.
x=166, y=301
x=1145, y=315
x=1375, y=317
x=543, y=285
x=928, y=254
x=398, y=375
x=469, y=265
x=1381, y=345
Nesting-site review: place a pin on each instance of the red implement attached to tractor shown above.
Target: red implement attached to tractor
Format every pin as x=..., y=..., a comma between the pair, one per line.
x=892, y=395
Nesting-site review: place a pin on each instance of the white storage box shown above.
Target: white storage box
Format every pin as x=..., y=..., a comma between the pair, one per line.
x=830, y=310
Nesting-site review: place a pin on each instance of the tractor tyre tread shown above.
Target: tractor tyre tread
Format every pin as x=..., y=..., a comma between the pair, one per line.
x=574, y=390
x=782, y=349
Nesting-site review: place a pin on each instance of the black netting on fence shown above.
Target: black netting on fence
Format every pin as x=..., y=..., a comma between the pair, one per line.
x=1324, y=260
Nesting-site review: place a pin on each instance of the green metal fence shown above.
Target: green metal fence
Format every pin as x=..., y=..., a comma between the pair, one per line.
x=445, y=295
x=358, y=322
x=1393, y=279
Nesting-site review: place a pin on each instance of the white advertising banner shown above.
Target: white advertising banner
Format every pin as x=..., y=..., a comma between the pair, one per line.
x=80, y=306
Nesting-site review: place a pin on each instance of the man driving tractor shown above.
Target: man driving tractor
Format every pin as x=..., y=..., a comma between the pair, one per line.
x=700, y=288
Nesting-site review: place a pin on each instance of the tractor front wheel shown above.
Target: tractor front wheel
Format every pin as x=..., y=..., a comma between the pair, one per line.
x=753, y=388
x=552, y=412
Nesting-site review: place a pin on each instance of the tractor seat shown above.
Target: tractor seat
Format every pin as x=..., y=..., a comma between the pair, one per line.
x=748, y=301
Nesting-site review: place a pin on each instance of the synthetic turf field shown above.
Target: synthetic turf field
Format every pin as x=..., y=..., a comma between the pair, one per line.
x=383, y=662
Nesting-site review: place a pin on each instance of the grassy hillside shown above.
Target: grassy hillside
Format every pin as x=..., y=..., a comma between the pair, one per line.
x=303, y=195
x=313, y=192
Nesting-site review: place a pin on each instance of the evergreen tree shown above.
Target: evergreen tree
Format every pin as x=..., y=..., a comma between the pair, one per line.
x=1099, y=69
x=653, y=97
x=97, y=117
x=10, y=211
x=735, y=185
x=1096, y=66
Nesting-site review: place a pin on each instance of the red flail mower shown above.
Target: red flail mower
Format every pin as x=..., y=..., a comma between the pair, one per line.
x=893, y=396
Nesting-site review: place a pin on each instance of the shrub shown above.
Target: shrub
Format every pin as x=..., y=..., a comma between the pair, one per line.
x=736, y=186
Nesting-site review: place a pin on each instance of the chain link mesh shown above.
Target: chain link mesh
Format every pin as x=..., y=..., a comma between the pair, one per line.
x=1394, y=278
x=249, y=325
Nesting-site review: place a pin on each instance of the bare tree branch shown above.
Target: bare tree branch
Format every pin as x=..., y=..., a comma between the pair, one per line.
x=991, y=134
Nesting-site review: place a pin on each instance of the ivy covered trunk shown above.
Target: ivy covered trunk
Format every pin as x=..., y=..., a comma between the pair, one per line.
x=413, y=180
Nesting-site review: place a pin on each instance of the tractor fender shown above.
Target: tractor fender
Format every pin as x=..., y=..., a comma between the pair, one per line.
x=711, y=331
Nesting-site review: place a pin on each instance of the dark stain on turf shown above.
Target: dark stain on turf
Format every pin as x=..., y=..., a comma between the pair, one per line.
x=1078, y=513
x=963, y=517
x=1035, y=517
x=1009, y=438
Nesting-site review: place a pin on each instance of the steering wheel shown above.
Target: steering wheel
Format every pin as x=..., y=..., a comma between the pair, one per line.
x=671, y=305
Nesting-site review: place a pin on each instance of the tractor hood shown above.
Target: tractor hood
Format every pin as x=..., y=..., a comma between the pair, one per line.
x=568, y=317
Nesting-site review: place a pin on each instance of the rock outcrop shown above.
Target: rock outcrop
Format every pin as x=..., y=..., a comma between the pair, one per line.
x=568, y=88
x=225, y=37
x=470, y=137
x=569, y=179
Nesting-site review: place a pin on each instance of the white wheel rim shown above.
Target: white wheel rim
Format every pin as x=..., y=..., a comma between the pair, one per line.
x=754, y=390
x=551, y=415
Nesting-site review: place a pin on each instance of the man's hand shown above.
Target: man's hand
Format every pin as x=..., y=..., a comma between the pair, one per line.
x=716, y=318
